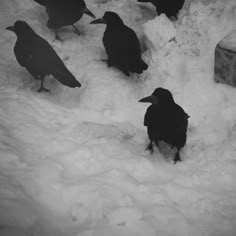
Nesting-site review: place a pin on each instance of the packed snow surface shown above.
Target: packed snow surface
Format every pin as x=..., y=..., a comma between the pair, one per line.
x=229, y=42
x=73, y=162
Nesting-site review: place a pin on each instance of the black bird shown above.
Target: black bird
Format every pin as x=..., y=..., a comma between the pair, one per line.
x=165, y=120
x=121, y=44
x=168, y=7
x=38, y=57
x=64, y=12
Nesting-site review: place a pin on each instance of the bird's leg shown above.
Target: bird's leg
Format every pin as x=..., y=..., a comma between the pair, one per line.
x=57, y=37
x=173, y=18
x=109, y=62
x=177, y=157
x=76, y=30
x=105, y=60
x=41, y=86
x=150, y=147
x=126, y=72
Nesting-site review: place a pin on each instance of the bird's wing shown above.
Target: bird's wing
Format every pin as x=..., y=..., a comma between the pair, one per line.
x=37, y=54
x=166, y=119
x=47, y=60
x=167, y=123
x=151, y=116
x=23, y=53
x=64, y=12
x=121, y=41
x=44, y=54
x=131, y=42
x=181, y=119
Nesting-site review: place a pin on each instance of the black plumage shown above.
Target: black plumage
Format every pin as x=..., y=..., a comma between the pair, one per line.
x=121, y=44
x=168, y=7
x=64, y=13
x=38, y=57
x=165, y=120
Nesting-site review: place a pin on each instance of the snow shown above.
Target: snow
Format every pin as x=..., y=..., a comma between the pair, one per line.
x=73, y=162
x=229, y=41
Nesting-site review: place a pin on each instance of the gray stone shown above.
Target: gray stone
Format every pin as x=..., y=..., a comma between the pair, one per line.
x=225, y=65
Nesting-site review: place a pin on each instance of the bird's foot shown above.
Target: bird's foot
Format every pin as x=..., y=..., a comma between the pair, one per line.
x=58, y=38
x=125, y=72
x=177, y=158
x=105, y=61
x=77, y=31
x=173, y=18
x=150, y=147
x=42, y=89
x=109, y=63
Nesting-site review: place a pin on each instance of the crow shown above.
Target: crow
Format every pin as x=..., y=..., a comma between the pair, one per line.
x=121, y=44
x=63, y=13
x=165, y=120
x=168, y=7
x=38, y=57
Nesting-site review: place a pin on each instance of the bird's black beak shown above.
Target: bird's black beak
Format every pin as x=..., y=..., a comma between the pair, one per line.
x=79, y=84
x=98, y=21
x=151, y=99
x=11, y=28
x=88, y=12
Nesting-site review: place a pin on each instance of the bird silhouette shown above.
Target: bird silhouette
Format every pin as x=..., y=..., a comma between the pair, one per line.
x=121, y=45
x=168, y=7
x=165, y=120
x=64, y=13
x=38, y=57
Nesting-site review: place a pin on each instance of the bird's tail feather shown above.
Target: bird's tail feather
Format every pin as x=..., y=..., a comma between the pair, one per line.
x=67, y=79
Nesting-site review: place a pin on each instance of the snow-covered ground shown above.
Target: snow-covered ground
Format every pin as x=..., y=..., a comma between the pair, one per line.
x=73, y=162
